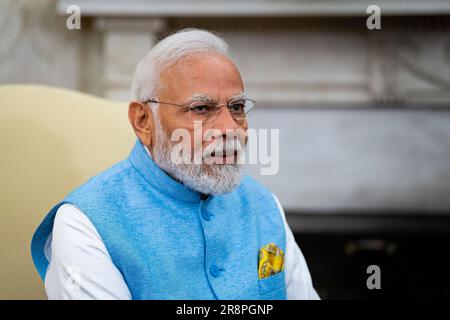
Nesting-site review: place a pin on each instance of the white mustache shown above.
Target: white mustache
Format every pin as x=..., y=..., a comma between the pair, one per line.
x=220, y=148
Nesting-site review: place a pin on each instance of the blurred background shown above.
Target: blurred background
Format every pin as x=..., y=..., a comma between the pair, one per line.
x=364, y=119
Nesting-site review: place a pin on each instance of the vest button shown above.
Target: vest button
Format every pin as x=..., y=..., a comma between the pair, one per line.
x=206, y=215
x=216, y=271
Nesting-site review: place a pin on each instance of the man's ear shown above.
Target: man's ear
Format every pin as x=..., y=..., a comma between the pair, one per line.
x=141, y=119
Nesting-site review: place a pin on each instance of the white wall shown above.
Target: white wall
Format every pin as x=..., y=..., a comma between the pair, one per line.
x=360, y=159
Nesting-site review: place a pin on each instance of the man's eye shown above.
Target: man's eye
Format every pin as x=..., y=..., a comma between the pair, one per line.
x=237, y=108
x=200, y=109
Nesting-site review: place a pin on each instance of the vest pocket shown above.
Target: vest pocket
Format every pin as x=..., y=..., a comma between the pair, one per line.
x=272, y=283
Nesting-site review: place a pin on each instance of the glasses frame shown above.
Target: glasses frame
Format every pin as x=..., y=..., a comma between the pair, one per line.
x=218, y=106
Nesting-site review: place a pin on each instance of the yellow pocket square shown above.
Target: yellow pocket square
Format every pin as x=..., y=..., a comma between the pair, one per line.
x=271, y=260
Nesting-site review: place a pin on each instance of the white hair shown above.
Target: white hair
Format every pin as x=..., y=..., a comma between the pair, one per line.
x=166, y=53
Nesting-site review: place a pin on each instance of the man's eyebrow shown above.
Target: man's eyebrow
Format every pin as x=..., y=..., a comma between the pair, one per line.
x=199, y=97
x=240, y=95
x=205, y=97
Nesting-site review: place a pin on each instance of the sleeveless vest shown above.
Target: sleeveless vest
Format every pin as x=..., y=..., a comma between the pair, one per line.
x=171, y=242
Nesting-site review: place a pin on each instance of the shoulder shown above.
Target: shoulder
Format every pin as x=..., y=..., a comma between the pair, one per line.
x=260, y=201
x=249, y=184
x=108, y=177
x=254, y=192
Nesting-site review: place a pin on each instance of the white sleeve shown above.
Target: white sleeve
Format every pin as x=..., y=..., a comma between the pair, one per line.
x=80, y=266
x=298, y=279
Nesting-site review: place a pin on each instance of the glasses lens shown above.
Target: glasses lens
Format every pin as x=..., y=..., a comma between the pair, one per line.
x=208, y=111
x=240, y=109
x=202, y=111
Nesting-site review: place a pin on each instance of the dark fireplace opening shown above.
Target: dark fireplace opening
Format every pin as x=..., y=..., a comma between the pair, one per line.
x=411, y=252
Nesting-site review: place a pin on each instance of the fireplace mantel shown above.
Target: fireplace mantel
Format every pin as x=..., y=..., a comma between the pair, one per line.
x=226, y=8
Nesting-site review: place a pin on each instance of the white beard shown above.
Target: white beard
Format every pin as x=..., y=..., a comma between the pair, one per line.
x=210, y=179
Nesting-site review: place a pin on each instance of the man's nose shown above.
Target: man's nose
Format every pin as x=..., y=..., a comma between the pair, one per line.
x=225, y=121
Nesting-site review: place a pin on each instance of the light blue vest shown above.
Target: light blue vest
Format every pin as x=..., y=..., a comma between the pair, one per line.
x=170, y=242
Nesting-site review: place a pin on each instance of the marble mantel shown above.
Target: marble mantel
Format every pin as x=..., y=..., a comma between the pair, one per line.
x=284, y=8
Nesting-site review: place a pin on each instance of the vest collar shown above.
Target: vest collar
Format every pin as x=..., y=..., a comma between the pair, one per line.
x=158, y=178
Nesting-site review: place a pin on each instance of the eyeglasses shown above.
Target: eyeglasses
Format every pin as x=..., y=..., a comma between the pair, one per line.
x=207, y=111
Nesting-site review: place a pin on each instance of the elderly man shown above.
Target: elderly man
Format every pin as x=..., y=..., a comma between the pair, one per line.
x=154, y=227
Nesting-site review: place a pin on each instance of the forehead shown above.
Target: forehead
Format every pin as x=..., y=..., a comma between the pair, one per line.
x=213, y=75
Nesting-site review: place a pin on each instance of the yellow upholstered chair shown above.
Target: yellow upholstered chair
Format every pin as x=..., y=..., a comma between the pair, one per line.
x=51, y=141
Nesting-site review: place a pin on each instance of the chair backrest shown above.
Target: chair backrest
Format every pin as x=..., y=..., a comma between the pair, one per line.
x=51, y=141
